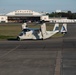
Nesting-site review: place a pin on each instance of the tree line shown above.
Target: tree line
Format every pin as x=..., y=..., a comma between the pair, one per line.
x=67, y=14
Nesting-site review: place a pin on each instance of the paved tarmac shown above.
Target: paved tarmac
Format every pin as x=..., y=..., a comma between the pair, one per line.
x=55, y=56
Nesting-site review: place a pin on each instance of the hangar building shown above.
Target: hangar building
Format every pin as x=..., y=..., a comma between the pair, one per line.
x=23, y=16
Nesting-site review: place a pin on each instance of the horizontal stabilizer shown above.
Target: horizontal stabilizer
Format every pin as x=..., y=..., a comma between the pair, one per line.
x=47, y=34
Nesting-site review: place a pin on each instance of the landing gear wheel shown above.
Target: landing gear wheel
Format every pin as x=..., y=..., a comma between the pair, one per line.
x=18, y=39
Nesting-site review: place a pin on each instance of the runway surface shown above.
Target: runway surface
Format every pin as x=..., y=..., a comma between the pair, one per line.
x=55, y=56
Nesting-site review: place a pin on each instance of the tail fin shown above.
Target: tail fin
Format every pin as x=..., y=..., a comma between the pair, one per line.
x=56, y=27
x=43, y=30
x=24, y=26
x=64, y=28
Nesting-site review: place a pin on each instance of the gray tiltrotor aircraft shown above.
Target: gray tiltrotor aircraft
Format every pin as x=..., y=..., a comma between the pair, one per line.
x=41, y=33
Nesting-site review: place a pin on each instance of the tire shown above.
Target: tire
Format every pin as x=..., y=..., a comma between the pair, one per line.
x=18, y=39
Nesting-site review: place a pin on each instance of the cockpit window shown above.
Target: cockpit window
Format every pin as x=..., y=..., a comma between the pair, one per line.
x=26, y=30
x=20, y=34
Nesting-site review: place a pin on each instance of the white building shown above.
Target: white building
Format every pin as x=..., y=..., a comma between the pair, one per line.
x=45, y=18
x=30, y=16
x=24, y=13
x=62, y=20
x=58, y=11
x=23, y=16
x=3, y=18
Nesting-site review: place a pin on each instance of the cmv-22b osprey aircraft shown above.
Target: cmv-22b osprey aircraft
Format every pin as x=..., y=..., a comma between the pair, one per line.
x=41, y=33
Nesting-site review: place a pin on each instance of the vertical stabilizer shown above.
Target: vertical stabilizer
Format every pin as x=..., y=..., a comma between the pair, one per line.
x=64, y=28
x=24, y=26
x=43, y=30
x=56, y=27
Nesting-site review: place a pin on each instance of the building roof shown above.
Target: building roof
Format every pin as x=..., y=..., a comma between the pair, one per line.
x=24, y=13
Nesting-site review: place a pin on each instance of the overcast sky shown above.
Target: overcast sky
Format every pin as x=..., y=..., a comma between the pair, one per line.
x=37, y=5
